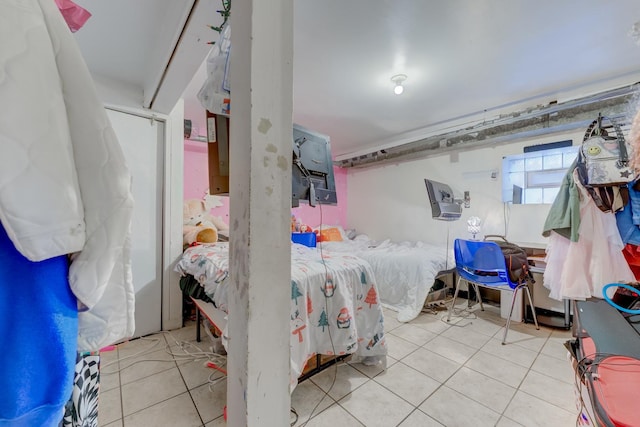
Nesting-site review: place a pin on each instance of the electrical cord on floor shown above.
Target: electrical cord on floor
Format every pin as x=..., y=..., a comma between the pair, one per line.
x=434, y=307
x=468, y=315
x=578, y=382
x=461, y=314
x=155, y=341
x=582, y=369
x=190, y=352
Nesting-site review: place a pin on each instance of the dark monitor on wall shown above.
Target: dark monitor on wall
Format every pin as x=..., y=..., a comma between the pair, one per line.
x=517, y=195
x=312, y=177
x=443, y=204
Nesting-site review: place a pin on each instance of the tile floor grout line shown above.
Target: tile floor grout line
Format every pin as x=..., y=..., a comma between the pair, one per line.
x=393, y=392
x=142, y=378
x=155, y=404
x=546, y=401
x=195, y=406
x=441, y=384
x=119, y=386
x=451, y=376
x=189, y=392
x=501, y=414
x=327, y=395
x=523, y=378
x=375, y=376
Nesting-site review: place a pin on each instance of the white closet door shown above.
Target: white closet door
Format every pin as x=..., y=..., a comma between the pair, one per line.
x=142, y=141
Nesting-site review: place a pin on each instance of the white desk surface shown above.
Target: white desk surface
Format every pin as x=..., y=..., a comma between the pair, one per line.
x=531, y=245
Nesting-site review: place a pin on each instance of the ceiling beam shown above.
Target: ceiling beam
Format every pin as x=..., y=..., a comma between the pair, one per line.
x=533, y=122
x=189, y=47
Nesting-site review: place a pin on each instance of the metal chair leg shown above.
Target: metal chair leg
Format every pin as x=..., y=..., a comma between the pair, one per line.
x=478, y=297
x=455, y=295
x=198, y=319
x=533, y=310
x=513, y=303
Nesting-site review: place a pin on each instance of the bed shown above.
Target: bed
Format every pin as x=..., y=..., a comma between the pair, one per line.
x=331, y=293
x=404, y=272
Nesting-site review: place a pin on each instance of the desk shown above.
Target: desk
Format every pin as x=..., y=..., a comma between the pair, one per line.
x=549, y=312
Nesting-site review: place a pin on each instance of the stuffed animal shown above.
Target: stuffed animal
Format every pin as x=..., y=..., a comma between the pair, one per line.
x=211, y=202
x=198, y=224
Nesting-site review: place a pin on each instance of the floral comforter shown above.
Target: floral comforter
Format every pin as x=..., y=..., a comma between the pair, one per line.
x=335, y=307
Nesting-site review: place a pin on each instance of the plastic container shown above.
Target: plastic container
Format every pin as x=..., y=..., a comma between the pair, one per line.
x=307, y=239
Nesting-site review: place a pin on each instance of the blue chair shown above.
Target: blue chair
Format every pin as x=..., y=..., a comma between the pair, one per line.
x=482, y=264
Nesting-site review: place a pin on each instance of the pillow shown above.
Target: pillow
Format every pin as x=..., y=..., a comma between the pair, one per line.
x=330, y=234
x=337, y=227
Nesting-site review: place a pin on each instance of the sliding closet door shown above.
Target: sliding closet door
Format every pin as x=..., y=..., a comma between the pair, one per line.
x=142, y=141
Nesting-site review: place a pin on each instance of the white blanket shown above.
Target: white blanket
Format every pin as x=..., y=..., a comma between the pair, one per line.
x=64, y=182
x=404, y=272
x=335, y=308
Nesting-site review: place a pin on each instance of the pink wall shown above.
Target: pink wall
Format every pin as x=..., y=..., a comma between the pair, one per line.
x=196, y=184
x=325, y=214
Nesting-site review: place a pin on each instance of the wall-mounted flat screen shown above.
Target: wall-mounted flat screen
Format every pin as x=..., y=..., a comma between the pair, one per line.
x=443, y=205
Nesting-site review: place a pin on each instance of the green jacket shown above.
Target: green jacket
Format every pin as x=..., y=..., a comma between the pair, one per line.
x=564, y=215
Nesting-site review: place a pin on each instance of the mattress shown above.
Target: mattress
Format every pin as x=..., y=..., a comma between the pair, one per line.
x=335, y=308
x=405, y=272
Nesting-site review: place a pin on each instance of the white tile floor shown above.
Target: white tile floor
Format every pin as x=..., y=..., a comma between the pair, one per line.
x=438, y=374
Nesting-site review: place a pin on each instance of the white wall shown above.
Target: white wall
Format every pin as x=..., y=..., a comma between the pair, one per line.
x=390, y=201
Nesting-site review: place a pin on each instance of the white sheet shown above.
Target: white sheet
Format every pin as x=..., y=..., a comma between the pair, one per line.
x=334, y=304
x=404, y=272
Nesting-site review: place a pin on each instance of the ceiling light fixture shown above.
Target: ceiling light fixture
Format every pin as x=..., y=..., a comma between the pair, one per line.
x=398, y=79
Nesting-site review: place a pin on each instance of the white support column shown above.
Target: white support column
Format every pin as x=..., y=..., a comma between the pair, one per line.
x=260, y=197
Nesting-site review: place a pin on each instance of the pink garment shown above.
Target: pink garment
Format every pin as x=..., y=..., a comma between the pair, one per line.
x=74, y=15
x=579, y=270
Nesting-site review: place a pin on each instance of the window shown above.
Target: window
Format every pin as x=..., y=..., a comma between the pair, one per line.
x=538, y=174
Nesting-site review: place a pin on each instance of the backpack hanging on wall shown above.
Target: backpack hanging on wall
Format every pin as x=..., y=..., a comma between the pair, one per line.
x=603, y=164
x=603, y=160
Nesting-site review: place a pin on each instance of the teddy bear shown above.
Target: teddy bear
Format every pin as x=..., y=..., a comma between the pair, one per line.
x=198, y=224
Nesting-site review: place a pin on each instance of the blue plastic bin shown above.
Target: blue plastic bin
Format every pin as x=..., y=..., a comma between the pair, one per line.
x=307, y=239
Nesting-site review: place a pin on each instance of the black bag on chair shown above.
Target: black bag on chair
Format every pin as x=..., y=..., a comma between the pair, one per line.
x=515, y=258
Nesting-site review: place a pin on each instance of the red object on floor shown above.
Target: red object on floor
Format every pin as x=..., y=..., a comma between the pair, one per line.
x=605, y=364
x=216, y=367
x=632, y=256
x=611, y=383
x=613, y=386
x=225, y=412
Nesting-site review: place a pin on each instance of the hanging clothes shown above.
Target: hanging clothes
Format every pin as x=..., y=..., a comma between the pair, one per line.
x=628, y=222
x=628, y=219
x=38, y=332
x=82, y=408
x=64, y=184
x=580, y=269
x=564, y=215
x=634, y=141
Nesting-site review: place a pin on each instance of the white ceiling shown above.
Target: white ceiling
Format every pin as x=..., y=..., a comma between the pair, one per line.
x=465, y=59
